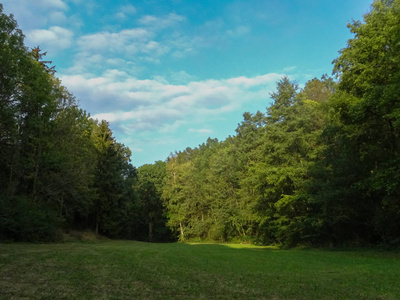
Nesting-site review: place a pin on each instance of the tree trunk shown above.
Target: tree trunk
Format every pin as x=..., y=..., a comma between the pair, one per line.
x=97, y=227
x=182, y=234
x=14, y=167
x=97, y=221
x=36, y=174
x=150, y=231
x=61, y=205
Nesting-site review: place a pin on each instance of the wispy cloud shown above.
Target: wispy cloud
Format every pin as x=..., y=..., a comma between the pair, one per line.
x=164, y=22
x=128, y=9
x=122, y=41
x=289, y=69
x=155, y=39
x=125, y=47
x=58, y=4
x=57, y=17
x=238, y=31
x=203, y=130
x=125, y=11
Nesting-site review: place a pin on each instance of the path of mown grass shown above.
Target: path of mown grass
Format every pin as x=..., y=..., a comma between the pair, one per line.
x=134, y=270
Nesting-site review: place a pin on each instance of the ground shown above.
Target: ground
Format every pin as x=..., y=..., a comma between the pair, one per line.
x=136, y=270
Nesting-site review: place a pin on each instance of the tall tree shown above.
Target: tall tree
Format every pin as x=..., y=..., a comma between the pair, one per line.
x=359, y=186
x=112, y=170
x=149, y=187
x=12, y=53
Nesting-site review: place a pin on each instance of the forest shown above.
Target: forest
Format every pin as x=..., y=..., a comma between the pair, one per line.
x=319, y=167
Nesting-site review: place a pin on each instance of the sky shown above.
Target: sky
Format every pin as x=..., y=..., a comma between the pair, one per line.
x=167, y=75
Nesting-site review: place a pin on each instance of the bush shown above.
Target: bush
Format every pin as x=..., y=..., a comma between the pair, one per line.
x=23, y=220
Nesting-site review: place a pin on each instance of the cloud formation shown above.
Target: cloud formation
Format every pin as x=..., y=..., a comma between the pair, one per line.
x=58, y=4
x=203, y=130
x=126, y=40
x=35, y=14
x=164, y=22
x=154, y=116
x=136, y=105
x=128, y=9
x=146, y=68
x=54, y=38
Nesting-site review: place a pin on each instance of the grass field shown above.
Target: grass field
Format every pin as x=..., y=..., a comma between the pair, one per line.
x=135, y=270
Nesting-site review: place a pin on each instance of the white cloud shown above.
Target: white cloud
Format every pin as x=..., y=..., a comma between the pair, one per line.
x=289, y=69
x=181, y=77
x=148, y=20
x=132, y=45
x=150, y=105
x=203, y=130
x=135, y=149
x=135, y=48
x=54, y=38
x=125, y=11
x=161, y=117
x=36, y=14
x=184, y=45
x=120, y=15
x=108, y=41
x=58, y=4
x=155, y=48
x=128, y=9
x=57, y=17
x=161, y=22
x=126, y=49
x=253, y=81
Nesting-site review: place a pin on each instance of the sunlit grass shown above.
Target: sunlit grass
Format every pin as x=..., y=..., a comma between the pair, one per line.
x=236, y=246
x=134, y=270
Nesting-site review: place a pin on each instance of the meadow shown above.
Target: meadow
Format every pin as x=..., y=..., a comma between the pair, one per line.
x=137, y=270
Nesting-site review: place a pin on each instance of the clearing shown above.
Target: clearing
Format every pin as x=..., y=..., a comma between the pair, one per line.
x=136, y=270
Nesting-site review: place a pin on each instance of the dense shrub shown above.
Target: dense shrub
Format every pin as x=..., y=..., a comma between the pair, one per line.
x=22, y=220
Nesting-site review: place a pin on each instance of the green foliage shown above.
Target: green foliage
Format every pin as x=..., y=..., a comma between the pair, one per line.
x=112, y=172
x=354, y=196
x=149, y=188
x=22, y=220
x=253, y=185
x=319, y=167
x=55, y=162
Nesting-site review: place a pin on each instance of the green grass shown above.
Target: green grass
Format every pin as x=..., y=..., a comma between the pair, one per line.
x=135, y=270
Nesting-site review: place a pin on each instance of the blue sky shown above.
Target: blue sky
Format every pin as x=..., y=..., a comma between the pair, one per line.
x=169, y=74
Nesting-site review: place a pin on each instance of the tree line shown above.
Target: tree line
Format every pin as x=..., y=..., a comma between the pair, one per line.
x=59, y=169
x=319, y=167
